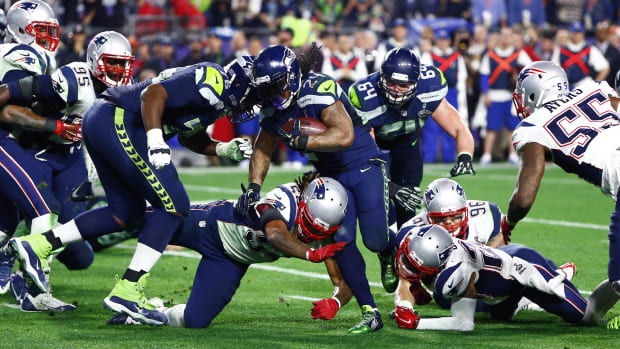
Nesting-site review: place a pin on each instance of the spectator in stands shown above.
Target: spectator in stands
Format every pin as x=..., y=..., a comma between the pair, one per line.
x=547, y=46
x=366, y=42
x=356, y=11
x=329, y=12
x=345, y=65
x=400, y=29
x=565, y=12
x=270, y=14
x=255, y=45
x=196, y=52
x=219, y=14
x=74, y=49
x=163, y=57
x=478, y=46
x=151, y=18
x=415, y=9
x=490, y=13
x=597, y=11
x=451, y=63
x=608, y=50
x=455, y=8
x=376, y=22
x=188, y=15
x=214, y=49
x=530, y=41
x=109, y=14
x=238, y=46
x=526, y=12
x=143, y=54
x=498, y=72
x=581, y=61
x=285, y=37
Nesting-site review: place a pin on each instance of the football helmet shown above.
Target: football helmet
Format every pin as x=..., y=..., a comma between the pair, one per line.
x=2, y=26
x=277, y=76
x=31, y=21
x=423, y=252
x=538, y=83
x=617, y=83
x=399, y=75
x=239, y=74
x=446, y=205
x=109, y=58
x=321, y=209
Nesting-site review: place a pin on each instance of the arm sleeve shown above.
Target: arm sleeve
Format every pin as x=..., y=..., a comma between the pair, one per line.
x=40, y=88
x=270, y=214
x=462, y=318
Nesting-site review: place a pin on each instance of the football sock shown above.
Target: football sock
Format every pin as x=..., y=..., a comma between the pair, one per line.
x=391, y=247
x=601, y=300
x=353, y=269
x=53, y=240
x=132, y=275
x=89, y=224
x=144, y=258
x=176, y=315
x=613, y=267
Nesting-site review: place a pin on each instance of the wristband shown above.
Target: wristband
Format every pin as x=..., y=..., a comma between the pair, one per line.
x=509, y=222
x=404, y=303
x=337, y=301
x=52, y=126
x=308, y=254
x=302, y=142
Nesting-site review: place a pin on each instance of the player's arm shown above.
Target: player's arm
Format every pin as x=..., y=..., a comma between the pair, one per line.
x=264, y=146
x=339, y=133
x=496, y=241
x=326, y=309
x=614, y=101
x=531, y=170
x=152, y=102
x=402, y=295
x=199, y=142
x=23, y=117
x=448, y=118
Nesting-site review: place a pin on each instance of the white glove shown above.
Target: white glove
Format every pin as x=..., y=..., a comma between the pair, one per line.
x=159, y=151
x=237, y=149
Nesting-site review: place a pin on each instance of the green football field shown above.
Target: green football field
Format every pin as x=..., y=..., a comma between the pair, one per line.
x=271, y=308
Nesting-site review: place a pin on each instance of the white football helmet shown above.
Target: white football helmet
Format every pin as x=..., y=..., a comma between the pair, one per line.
x=538, y=83
x=423, y=252
x=444, y=198
x=33, y=21
x=109, y=58
x=321, y=209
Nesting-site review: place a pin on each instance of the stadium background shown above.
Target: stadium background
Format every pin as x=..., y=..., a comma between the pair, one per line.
x=271, y=308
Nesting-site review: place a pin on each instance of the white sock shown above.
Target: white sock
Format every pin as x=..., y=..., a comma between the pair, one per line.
x=68, y=233
x=144, y=258
x=176, y=315
x=43, y=223
x=601, y=300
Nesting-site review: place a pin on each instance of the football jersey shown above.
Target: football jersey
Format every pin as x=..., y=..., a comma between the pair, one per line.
x=196, y=96
x=246, y=242
x=390, y=121
x=581, y=131
x=74, y=84
x=317, y=92
x=483, y=221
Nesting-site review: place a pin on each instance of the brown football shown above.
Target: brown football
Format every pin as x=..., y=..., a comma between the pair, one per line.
x=308, y=126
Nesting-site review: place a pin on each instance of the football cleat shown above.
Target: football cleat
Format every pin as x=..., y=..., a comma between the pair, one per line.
x=569, y=269
x=33, y=251
x=122, y=319
x=389, y=278
x=128, y=297
x=6, y=267
x=19, y=288
x=614, y=324
x=83, y=192
x=371, y=321
x=44, y=302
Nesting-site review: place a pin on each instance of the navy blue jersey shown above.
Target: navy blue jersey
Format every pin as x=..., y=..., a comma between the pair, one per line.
x=388, y=121
x=196, y=97
x=319, y=91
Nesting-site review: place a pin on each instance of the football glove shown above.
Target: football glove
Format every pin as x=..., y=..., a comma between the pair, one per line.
x=71, y=132
x=237, y=149
x=463, y=165
x=421, y=295
x=506, y=229
x=406, y=318
x=294, y=139
x=158, y=150
x=407, y=197
x=325, y=309
x=250, y=196
x=321, y=254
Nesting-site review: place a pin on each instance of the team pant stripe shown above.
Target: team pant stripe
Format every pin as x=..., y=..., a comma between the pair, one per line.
x=24, y=182
x=145, y=169
x=575, y=299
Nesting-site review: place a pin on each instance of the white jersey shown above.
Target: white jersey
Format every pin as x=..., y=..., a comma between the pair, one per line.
x=483, y=221
x=247, y=245
x=31, y=59
x=74, y=84
x=582, y=133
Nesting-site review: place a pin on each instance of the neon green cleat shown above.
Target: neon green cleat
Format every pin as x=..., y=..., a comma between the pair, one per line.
x=33, y=251
x=614, y=324
x=371, y=321
x=128, y=297
x=389, y=277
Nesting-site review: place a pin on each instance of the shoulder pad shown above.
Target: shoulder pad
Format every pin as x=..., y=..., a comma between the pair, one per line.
x=26, y=58
x=284, y=200
x=210, y=83
x=452, y=282
x=318, y=89
x=432, y=85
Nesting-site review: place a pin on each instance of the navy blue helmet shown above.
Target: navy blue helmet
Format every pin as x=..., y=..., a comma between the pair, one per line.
x=240, y=96
x=276, y=76
x=399, y=75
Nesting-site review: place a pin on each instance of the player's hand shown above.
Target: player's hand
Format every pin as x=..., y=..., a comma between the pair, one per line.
x=409, y=198
x=321, y=254
x=250, y=196
x=406, y=318
x=420, y=294
x=69, y=132
x=158, y=150
x=294, y=139
x=237, y=149
x=506, y=229
x=325, y=309
x=463, y=165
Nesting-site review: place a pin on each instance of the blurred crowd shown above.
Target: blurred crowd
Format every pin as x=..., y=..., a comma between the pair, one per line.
x=356, y=34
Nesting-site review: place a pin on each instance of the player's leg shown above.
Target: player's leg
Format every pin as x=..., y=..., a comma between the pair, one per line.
x=406, y=168
x=613, y=266
x=9, y=219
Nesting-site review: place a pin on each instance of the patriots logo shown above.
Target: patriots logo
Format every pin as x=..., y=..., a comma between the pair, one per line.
x=319, y=190
x=423, y=230
x=459, y=190
x=100, y=41
x=28, y=6
x=26, y=59
x=430, y=195
x=57, y=87
x=529, y=71
x=443, y=255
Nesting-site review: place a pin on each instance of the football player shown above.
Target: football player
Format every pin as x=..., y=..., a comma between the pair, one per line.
x=345, y=151
x=464, y=271
x=576, y=129
x=65, y=95
x=396, y=102
x=293, y=220
x=125, y=134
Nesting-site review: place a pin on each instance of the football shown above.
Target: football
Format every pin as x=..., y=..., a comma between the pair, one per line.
x=308, y=126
